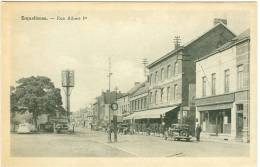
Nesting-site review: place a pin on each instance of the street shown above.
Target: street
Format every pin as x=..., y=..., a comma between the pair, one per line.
x=86, y=143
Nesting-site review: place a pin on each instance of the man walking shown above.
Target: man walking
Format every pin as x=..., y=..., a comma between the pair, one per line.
x=198, y=130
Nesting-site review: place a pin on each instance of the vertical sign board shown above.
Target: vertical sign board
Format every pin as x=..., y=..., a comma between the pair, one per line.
x=67, y=78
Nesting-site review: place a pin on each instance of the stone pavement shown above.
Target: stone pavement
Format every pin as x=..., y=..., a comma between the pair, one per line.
x=152, y=146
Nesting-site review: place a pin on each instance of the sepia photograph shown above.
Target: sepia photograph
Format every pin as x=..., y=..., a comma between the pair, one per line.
x=129, y=80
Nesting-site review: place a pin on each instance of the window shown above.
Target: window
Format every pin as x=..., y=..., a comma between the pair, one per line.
x=203, y=86
x=162, y=95
x=151, y=77
x=240, y=76
x=162, y=74
x=135, y=105
x=155, y=97
x=240, y=107
x=168, y=93
x=145, y=102
x=176, y=68
x=156, y=77
x=168, y=71
x=213, y=83
x=175, y=92
x=227, y=80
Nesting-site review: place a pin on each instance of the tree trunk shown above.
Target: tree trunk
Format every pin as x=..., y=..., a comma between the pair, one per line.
x=35, y=120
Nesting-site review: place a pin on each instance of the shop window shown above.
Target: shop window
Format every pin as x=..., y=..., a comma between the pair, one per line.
x=227, y=117
x=212, y=117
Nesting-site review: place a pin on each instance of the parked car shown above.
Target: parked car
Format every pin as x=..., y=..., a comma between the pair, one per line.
x=61, y=127
x=179, y=131
x=25, y=128
x=123, y=129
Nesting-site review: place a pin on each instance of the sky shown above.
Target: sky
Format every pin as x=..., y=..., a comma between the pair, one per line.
x=126, y=34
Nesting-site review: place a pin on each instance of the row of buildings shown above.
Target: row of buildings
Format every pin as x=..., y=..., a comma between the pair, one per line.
x=206, y=79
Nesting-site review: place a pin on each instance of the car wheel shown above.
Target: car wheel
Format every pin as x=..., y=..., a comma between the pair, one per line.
x=184, y=133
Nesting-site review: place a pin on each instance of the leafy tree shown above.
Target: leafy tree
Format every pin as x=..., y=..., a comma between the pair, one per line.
x=37, y=95
x=190, y=120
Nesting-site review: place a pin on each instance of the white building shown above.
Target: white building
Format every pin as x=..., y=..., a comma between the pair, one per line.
x=222, y=90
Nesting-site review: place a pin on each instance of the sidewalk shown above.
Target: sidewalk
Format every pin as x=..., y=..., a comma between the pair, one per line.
x=151, y=146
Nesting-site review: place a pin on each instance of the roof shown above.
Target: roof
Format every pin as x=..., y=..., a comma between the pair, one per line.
x=240, y=38
x=141, y=90
x=135, y=88
x=187, y=44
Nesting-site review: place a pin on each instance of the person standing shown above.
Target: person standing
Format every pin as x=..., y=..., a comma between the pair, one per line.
x=198, y=130
x=109, y=131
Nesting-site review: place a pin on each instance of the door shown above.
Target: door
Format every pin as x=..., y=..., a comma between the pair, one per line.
x=239, y=124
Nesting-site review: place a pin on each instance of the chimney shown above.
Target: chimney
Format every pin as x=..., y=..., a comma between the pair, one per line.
x=219, y=20
x=177, y=42
x=137, y=83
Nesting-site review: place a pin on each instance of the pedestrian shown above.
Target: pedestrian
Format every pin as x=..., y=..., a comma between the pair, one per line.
x=109, y=131
x=164, y=130
x=198, y=130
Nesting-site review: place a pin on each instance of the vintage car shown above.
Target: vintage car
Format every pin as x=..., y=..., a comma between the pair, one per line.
x=179, y=132
x=61, y=127
x=25, y=128
x=123, y=129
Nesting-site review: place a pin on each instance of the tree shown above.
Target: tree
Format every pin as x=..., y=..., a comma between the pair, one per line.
x=190, y=120
x=37, y=95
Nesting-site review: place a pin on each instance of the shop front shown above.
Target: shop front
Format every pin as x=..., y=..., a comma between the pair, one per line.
x=216, y=121
x=217, y=116
x=153, y=121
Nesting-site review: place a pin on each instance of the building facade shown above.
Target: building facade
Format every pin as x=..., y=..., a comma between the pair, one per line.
x=139, y=98
x=123, y=105
x=172, y=77
x=222, y=90
x=101, y=107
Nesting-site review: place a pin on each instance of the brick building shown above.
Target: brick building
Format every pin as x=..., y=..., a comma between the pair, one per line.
x=172, y=77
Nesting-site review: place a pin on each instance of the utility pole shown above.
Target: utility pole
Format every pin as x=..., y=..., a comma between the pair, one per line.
x=177, y=41
x=109, y=100
x=109, y=86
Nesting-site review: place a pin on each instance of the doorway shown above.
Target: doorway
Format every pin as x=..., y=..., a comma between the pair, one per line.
x=239, y=124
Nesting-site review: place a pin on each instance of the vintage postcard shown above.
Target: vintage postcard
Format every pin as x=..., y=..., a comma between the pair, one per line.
x=129, y=84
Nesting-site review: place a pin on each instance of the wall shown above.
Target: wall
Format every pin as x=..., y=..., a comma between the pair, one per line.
x=217, y=63
x=173, y=79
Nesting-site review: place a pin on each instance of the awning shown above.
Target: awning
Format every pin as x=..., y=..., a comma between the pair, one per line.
x=129, y=117
x=153, y=113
